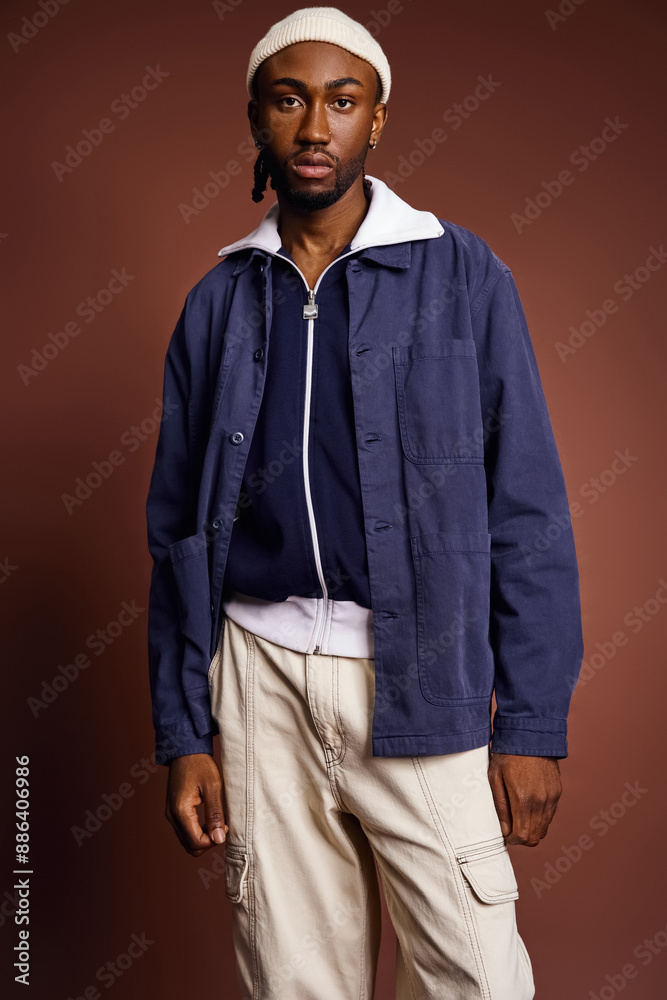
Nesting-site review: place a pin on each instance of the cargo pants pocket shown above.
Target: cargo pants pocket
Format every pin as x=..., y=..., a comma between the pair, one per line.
x=239, y=889
x=491, y=885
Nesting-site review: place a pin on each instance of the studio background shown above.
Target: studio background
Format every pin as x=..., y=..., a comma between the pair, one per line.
x=591, y=910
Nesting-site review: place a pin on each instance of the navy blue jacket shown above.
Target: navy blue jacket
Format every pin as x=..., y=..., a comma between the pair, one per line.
x=469, y=554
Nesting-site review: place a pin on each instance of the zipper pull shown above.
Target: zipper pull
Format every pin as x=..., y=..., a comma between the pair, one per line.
x=310, y=311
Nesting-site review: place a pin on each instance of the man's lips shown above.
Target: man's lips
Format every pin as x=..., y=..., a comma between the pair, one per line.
x=311, y=169
x=311, y=165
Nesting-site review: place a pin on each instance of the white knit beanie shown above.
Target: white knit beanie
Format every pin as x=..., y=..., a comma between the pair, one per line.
x=322, y=24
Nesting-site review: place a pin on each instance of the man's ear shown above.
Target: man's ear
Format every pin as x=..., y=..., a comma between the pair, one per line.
x=253, y=109
x=380, y=118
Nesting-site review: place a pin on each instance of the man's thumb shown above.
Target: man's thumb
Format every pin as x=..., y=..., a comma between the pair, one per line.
x=215, y=818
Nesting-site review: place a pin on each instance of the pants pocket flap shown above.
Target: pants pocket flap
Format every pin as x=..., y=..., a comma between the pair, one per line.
x=490, y=876
x=236, y=873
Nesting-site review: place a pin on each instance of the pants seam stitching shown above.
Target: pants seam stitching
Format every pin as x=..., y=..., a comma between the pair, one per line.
x=335, y=687
x=250, y=795
x=456, y=875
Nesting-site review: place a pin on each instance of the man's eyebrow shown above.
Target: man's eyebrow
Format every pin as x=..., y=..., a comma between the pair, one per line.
x=290, y=81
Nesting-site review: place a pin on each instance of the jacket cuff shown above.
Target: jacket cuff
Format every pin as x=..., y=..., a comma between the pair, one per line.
x=529, y=737
x=180, y=739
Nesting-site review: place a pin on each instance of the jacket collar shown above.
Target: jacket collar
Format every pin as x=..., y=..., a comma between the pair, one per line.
x=389, y=221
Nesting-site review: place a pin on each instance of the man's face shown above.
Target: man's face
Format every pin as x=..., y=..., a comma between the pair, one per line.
x=300, y=114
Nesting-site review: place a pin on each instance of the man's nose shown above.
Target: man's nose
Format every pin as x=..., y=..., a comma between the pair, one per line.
x=314, y=126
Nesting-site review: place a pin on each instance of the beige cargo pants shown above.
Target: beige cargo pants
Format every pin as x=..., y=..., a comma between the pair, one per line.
x=310, y=813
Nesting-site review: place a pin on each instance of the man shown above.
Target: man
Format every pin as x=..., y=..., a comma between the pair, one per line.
x=360, y=531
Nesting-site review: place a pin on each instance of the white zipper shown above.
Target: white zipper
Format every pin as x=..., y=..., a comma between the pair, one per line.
x=310, y=313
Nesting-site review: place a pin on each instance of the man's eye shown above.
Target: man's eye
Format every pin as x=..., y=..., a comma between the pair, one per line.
x=343, y=99
x=287, y=99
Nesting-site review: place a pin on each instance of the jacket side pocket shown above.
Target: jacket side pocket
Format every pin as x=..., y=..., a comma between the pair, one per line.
x=453, y=580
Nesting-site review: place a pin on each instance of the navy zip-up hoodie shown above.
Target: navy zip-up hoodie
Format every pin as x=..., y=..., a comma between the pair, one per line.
x=271, y=553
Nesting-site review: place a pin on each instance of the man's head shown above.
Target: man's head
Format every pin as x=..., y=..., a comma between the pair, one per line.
x=318, y=83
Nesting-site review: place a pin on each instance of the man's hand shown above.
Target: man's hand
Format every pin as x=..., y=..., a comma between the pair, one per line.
x=195, y=779
x=526, y=791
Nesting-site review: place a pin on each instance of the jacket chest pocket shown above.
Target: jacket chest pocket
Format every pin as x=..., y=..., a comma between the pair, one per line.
x=438, y=399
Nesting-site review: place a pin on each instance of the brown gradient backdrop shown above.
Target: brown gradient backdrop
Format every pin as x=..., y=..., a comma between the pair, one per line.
x=66, y=574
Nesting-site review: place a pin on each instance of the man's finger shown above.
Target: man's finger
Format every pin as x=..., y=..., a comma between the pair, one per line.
x=526, y=814
x=186, y=824
x=501, y=801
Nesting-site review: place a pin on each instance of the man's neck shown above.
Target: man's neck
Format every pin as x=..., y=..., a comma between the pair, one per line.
x=322, y=234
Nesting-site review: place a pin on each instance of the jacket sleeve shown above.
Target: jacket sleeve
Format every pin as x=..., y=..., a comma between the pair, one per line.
x=170, y=516
x=535, y=626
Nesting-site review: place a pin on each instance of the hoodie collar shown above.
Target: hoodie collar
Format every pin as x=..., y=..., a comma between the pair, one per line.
x=389, y=220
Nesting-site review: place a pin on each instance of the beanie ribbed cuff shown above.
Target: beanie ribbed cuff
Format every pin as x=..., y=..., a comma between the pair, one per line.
x=322, y=24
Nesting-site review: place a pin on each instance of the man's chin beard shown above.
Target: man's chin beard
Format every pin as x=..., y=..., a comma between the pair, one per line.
x=313, y=201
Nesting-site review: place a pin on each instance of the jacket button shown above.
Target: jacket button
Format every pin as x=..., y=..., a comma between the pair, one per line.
x=212, y=608
x=259, y=354
x=217, y=524
x=236, y=437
